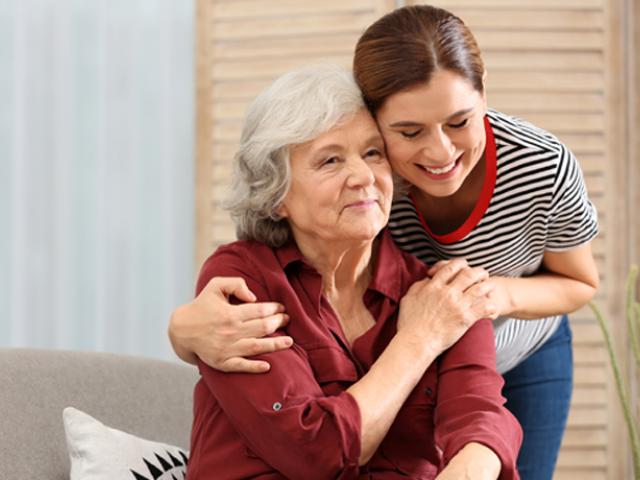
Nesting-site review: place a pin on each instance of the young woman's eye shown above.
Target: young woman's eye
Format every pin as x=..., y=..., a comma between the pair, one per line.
x=410, y=134
x=460, y=124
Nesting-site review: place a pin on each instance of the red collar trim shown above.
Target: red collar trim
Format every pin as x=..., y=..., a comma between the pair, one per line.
x=485, y=196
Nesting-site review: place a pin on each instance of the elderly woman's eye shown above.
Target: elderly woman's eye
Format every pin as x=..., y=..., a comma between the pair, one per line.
x=410, y=134
x=330, y=161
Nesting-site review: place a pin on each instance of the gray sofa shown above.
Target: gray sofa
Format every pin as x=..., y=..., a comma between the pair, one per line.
x=148, y=398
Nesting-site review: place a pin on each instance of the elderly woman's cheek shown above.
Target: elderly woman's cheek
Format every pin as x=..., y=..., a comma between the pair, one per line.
x=385, y=185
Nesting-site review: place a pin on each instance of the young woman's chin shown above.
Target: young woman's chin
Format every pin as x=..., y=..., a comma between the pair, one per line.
x=433, y=187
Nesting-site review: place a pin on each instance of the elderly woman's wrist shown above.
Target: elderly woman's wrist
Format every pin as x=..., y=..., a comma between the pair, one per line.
x=484, y=461
x=421, y=348
x=474, y=461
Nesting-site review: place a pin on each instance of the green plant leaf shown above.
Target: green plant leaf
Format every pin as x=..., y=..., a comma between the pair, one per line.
x=632, y=324
x=622, y=392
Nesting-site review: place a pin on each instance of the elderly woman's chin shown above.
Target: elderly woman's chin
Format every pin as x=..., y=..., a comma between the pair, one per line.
x=355, y=221
x=363, y=222
x=366, y=225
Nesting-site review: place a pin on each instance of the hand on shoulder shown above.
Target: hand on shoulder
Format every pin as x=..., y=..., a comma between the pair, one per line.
x=222, y=334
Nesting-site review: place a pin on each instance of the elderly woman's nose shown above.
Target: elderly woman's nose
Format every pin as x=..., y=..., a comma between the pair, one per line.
x=360, y=172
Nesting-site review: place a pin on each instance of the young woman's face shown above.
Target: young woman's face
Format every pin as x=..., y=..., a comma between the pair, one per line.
x=434, y=132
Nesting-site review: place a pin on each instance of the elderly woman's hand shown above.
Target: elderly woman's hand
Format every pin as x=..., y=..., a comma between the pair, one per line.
x=221, y=334
x=500, y=294
x=439, y=310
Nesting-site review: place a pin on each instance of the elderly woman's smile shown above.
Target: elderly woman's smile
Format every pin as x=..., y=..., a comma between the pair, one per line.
x=341, y=185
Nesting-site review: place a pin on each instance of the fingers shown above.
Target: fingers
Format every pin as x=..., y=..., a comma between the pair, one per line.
x=436, y=267
x=215, y=297
x=228, y=286
x=252, y=311
x=457, y=274
x=262, y=327
x=448, y=271
x=479, y=301
x=481, y=289
x=249, y=347
x=484, y=308
x=242, y=365
x=233, y=360
x=467, y=277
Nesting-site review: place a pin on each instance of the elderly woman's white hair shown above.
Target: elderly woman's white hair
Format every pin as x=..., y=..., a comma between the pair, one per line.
x=296, y=108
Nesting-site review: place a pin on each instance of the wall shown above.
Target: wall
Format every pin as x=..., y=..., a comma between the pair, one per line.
x=96, y=189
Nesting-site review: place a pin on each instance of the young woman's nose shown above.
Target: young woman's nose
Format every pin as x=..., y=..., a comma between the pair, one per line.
x=439, y=148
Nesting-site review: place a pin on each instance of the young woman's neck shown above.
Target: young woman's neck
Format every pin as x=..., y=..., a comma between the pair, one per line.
x=446, y=214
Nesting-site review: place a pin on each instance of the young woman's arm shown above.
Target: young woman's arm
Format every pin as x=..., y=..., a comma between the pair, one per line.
x=566, y=282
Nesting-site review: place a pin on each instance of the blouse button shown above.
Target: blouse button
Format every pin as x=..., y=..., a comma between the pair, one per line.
x=428, y=391
x=277, y=406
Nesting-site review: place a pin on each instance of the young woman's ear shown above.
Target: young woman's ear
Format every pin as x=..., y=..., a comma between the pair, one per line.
x=484, y=90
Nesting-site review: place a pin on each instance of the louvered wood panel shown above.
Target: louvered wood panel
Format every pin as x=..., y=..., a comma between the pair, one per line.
x=589, y=61
x=547, y=62
x=460, y=6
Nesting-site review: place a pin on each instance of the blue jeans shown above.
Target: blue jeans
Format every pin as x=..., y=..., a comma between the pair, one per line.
x=538, y=393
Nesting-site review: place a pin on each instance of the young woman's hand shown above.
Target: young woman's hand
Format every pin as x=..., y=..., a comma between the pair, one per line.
x=222, y=334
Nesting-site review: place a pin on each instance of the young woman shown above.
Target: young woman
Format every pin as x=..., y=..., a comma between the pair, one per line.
x=478, y=184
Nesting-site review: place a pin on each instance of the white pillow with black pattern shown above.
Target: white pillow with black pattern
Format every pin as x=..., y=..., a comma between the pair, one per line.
x=98, y=452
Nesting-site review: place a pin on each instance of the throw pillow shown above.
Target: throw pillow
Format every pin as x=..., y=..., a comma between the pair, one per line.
x=99, y=452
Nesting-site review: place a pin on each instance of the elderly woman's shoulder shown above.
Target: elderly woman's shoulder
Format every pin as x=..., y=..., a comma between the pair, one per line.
x=247, y=259
x=241, y=254
x=407, y=267
x=246, y=249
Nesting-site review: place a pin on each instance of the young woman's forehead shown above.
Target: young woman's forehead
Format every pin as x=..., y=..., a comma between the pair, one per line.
x=446, y=95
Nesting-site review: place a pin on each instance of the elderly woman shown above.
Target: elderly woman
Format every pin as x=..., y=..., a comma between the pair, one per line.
x=390, y=376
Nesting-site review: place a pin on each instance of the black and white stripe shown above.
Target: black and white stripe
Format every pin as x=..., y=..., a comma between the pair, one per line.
x=539, y=204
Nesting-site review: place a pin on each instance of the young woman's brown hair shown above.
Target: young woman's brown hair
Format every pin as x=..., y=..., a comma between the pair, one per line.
x=405, y=48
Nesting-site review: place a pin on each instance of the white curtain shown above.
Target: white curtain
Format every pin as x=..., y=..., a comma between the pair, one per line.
x=96, y=173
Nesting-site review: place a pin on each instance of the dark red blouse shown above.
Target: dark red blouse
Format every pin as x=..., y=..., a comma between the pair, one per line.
x=298, y=422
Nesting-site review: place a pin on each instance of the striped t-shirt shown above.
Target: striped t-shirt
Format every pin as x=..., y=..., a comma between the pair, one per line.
x=533, y=200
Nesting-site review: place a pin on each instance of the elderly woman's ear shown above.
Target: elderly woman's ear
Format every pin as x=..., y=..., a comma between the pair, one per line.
x=281, y=210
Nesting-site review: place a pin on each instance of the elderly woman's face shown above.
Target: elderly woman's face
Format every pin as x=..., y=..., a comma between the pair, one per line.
x=341, y=186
